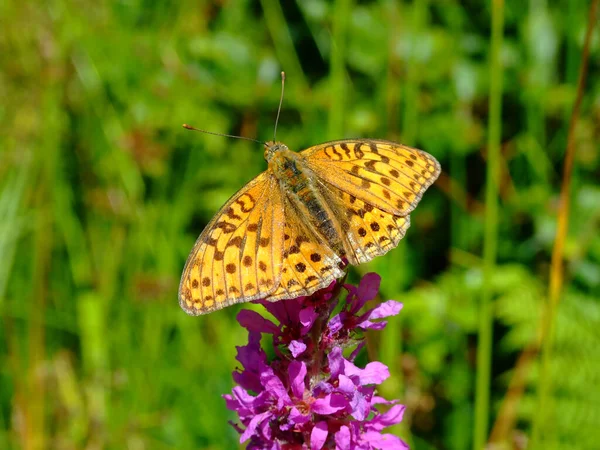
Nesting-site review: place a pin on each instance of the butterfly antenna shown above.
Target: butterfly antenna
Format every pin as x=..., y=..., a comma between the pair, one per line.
x=280, y=102
x=189, y=127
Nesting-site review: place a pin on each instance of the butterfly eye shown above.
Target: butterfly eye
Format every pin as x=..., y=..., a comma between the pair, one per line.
x=271, y=148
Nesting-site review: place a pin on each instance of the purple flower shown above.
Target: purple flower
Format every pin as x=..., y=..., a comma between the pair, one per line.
x=310, y=396
x=349, y=318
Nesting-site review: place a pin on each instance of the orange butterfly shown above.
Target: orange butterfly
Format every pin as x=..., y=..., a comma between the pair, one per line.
x=286, y=232
x=290, y=231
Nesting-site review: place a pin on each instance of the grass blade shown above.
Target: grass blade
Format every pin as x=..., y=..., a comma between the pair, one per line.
x=484, y=347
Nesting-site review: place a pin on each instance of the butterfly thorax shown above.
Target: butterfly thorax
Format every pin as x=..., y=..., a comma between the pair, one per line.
x=298, y=182
x=290, y=169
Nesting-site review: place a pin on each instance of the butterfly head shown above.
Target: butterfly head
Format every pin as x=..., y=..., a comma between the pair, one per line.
x=272, y=147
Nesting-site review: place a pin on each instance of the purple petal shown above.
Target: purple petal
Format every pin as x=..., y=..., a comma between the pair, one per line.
x=318, y=436
x=296, y=348
x=385, y=309
x=346, y=385
x=297, y=373
x=343, y=440
x=367, y=290
x=275, y=387
x=384, y=441
x=322, y=387
x=296, y=418
x=253, y=321
x=233, y=404
x=368, y=287
x=262, y=401
x=357, y=350
x=367, y=391
x=352, y=290
x=307, y=318
x=251, y=428
x=360, y=406
x=336, y=362
x=243, y=397
x=327, y=292
x=286, y=312
x=368, y=325
x=250, y=354
x=376, y=400
x=329, y=404
x=373, y=373
x=247, y=380
x=352, y=298
x=336, y=323
x=253, y=360
x=391, y=417
x=265, y=430
x=257, y=444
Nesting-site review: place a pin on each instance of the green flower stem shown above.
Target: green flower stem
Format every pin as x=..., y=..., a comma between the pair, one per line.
x=544, y=407
x=484, y=347
x=337, y=111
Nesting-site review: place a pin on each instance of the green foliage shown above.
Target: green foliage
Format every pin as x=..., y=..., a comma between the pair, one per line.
x=102, y=194
x=574, y=368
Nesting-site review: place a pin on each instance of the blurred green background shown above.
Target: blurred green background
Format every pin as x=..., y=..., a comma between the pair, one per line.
x=102, y=194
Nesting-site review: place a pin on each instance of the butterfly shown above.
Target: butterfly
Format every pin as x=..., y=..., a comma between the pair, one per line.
x=293, y=229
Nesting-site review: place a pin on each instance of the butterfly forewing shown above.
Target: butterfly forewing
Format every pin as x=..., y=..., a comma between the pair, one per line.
x=390, y=176
x=238, y=256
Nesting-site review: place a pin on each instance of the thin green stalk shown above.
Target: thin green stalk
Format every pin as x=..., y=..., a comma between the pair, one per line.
x=535, y=93
x=391, y=345
x=36, y=386
x=459, y=223
x=556, y=266
x=391, y=342
x=390, y=353
x=13, y=223
x=341, y=21
x=572, y=25
x=410, y=121
x=36, y=396
x=390, y=96
x=457, y=167
x=283, y=43
x=484, y=347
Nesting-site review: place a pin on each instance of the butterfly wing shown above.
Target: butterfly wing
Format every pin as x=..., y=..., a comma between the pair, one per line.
x=368, y=231
x=309, y=263
x=238, y=256
x=381, y=173
x=371, y=186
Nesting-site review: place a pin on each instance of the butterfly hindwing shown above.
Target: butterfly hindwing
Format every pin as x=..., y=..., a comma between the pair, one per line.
x=369, y=231
x=382, y=173
x=238, y=256
x=309, y=264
